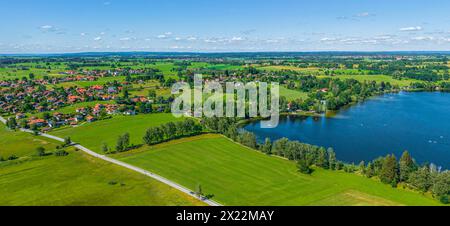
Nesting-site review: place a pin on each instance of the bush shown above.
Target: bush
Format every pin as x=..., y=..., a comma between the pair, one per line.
x=304, y=167
x=444, y=199
x=40, y=151
x=12, y=157
x=61, y=153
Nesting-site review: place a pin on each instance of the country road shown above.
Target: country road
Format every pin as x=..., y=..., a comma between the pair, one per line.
x=128, y=166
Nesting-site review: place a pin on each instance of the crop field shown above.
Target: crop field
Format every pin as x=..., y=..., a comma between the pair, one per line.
x=236, y=175
x=93, y=135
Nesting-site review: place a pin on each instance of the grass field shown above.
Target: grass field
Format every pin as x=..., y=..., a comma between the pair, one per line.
x=21, y=144
x=81, y=180
x=100, y=81
x=76, y=179
x=236, y=175
x=288, y=68
x=93, y=135
x=376, y=78
x=292, y=94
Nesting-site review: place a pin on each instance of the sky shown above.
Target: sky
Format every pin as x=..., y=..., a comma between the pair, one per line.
x=66, y=26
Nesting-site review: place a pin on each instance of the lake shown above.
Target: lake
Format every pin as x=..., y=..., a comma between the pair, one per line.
x=415, y=121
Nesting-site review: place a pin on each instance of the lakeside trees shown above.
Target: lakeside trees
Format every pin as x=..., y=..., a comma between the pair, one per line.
x=170, y=131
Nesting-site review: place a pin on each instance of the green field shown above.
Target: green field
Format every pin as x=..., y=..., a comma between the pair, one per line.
x=93, y=135
x=21, y=144
x=236, y=175
x=292, y=94
x=288, y=68
x=76, y=179
x=376, y=78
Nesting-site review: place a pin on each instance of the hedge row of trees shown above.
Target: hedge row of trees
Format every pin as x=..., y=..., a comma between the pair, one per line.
x=425, y=178
x=171, y=130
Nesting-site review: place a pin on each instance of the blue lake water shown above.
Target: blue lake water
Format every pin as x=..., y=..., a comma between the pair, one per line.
x=418, y=122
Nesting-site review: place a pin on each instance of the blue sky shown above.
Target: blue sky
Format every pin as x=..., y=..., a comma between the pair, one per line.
x=56, y=26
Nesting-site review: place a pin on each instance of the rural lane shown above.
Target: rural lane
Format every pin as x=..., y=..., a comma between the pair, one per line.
x=128, y=166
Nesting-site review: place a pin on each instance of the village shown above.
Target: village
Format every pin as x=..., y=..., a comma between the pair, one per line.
x=29, y=103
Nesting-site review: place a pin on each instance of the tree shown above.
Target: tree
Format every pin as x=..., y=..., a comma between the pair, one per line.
x=332, y=159
x=421, y=179
x=279, y=147
x=153, y=136
x=125, y=93
x=322, y=158
x=441, y=186
x=105, y=148
x=199, y=191
x=389, y=171
x=126, y=140
x=40, y=151
x=119, y=144
x=67, y=141
x=362, y=167
x=370, y=170
x=248, y=139
x=11, y=123
x=267, y=147
x=407, y=166
x=232, y=132
x=304, y=167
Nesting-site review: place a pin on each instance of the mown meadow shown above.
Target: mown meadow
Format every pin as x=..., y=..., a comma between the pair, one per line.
x=76, y=179
x=236, y=175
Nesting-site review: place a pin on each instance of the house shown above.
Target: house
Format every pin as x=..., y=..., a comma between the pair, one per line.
x=79, y=118
x=90, y=118
x=130, y=112
x=20, y=116
x=37, y=122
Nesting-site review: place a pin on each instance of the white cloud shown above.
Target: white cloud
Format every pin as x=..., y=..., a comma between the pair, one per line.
x=364, y=14
x=191, y=38
x=98, y=38
x=423, y=38
x=328, y=39
x=417, y=28
x=127, y=39
x=46, y=27
x=83, y=34
x=237, y=39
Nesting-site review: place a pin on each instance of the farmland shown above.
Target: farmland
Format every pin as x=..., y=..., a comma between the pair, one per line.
x=236, y=175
